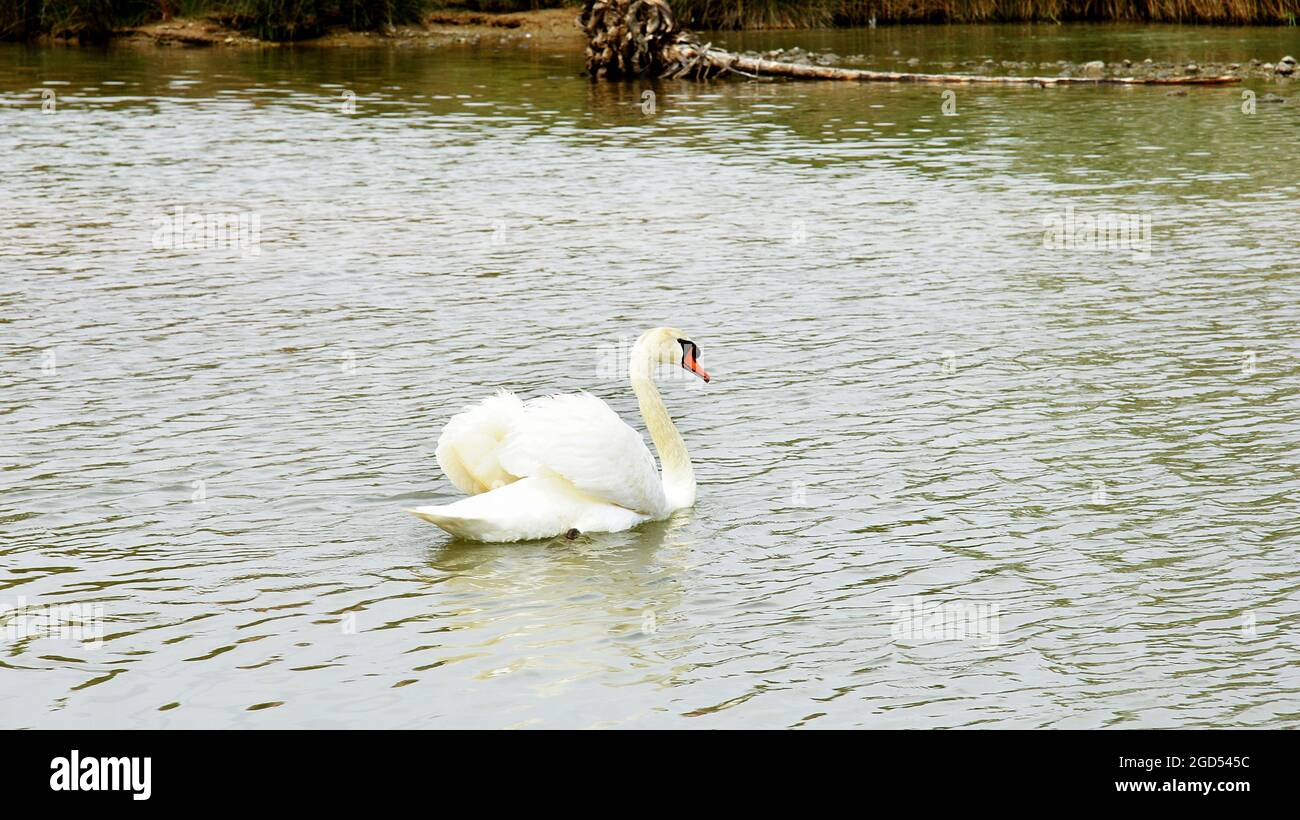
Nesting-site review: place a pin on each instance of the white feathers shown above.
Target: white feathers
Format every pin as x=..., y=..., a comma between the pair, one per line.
x=470, y=445
x=578, y=437
x=541, y=468
x=540, y=507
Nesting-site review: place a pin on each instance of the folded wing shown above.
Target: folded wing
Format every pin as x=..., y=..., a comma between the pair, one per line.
x=578, y=437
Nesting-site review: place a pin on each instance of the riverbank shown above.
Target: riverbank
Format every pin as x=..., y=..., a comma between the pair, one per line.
x=441, y=28
x=557, y=27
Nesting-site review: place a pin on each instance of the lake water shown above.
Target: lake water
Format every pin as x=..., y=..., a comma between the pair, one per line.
x=937, y=398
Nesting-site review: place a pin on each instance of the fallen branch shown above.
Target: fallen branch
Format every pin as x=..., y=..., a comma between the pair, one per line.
x=687, y=52
x=638, y=38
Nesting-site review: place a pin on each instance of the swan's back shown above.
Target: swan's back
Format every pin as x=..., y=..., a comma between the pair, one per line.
x=576, y=437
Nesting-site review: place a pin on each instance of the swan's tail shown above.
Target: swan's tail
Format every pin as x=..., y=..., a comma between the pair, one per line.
x=458, y=525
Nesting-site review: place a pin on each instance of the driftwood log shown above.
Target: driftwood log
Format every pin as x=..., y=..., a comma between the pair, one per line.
x=638, y=38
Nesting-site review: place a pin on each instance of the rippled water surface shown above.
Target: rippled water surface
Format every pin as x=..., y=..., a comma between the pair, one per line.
x=914, y=399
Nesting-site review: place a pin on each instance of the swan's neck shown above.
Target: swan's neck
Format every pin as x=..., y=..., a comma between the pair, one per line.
x=674, y=462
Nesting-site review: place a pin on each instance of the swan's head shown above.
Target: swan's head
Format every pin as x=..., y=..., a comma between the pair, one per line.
x=667, y=345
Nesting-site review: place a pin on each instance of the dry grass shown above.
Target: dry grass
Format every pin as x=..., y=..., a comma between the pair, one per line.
x=822, y=13
x=270, y=19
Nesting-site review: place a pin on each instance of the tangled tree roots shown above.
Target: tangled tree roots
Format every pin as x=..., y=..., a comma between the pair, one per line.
x=638, y=38
x=627, y=38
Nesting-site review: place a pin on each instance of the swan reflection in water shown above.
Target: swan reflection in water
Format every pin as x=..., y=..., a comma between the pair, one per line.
x=617, y=598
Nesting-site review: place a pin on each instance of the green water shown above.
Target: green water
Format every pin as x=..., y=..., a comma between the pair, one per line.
x=1089, y=451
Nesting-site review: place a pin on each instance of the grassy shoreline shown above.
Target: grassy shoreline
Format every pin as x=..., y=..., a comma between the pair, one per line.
x=297, y=20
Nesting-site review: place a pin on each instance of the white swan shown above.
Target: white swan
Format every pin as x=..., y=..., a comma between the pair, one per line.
x=551, y=465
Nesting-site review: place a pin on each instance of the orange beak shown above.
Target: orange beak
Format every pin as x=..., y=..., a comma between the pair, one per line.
x=694, y=366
